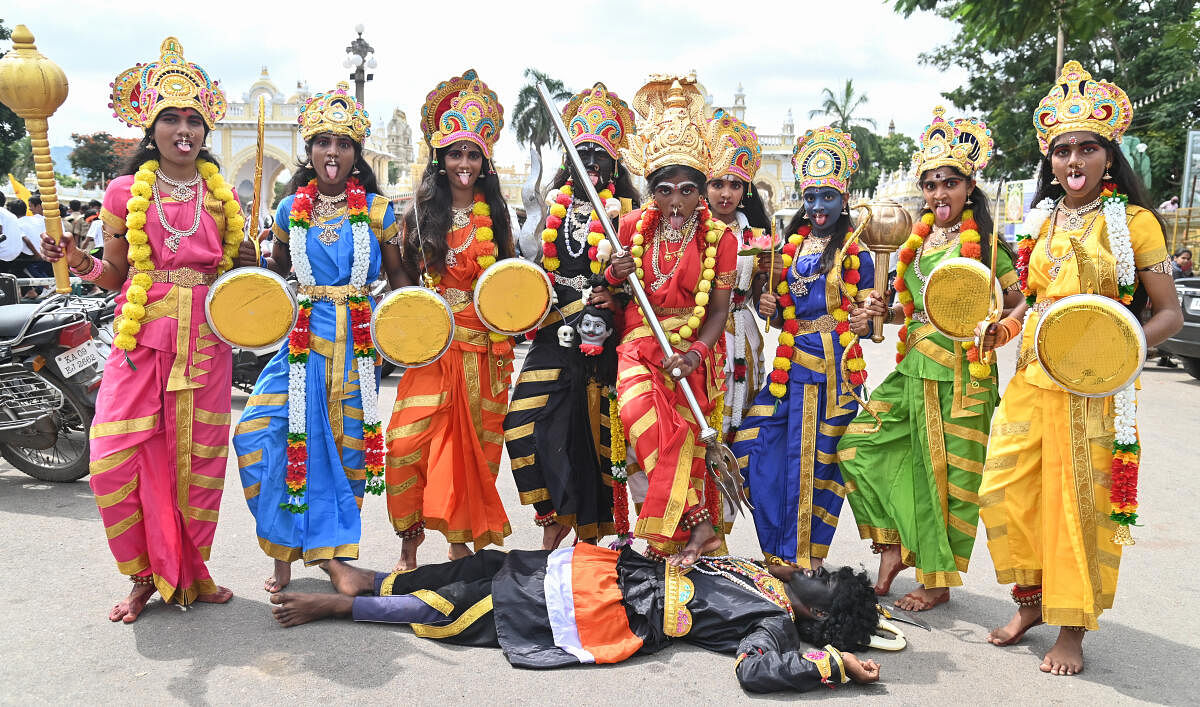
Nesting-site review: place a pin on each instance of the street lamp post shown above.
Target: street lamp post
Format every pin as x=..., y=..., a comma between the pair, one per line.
x=360, y=56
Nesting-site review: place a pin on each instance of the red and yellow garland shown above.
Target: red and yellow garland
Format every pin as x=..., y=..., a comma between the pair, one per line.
x=558, y=211
x=648, y=223
x=620, y=473
x=969, y=247
x=297, y=442
x=856, y=366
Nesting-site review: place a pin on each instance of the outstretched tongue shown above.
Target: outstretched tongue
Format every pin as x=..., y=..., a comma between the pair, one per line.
x=676, y=221
x=595, y=178
x=464, y=178
x=331, y=171
x=1076, y=181
x=942, y=212
x=184, y=147
x=819, y=218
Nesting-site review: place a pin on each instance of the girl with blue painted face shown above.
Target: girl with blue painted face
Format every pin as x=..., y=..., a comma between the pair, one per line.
x=787, y=442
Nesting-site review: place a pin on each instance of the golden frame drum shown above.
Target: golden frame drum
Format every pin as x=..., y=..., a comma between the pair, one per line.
x=513, y=296
x=412, y=326
x=956, y=297
x=1090, y=345
x=251, y=308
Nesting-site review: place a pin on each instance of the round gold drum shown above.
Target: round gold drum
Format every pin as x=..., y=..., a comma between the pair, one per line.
x=956, y=297
x=1090, y=345
x=412, y=327
x=512, y=296
x=251, y=308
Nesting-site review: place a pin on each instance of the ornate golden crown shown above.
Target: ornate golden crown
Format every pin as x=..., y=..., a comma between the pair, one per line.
x=963, y=143
x=1079, y=102
x=140, y=93
x=746, y=158
x=334, y=112
x=675, y=127
x=825, y=157
x=598, y=115
x=462, y=108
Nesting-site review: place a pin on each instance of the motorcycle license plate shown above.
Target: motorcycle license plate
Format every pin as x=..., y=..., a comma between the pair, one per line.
x=1194, y=305
x=74, y=360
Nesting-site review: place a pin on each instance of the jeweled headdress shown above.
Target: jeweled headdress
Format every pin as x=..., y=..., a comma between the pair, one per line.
x=140, y=93
x=963, y=143
x=825, y=157
x=462, y=108
x=746, y=158
x=672, y=129
x=597, y=115
x=1079, y=102
x=334, y=112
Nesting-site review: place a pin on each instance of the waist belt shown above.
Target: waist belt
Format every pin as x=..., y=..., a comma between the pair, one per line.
x=180, y=277
x=457, y=299
x=1043, y=304
x=920, y=316
x=338, y=294
x=824, y=324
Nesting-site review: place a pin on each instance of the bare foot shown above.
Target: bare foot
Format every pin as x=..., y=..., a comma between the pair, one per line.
x=1066, y=655
x=348, y=579
x=816, y=563
x=703, y=539
x=923, y=599
x=281, y=578
x=408, y=553
x=553, y=535
x=221, y=596
x=129, y=608
x=295, y=609
x=1012, y=632
x=890, y=565
x=458, y=551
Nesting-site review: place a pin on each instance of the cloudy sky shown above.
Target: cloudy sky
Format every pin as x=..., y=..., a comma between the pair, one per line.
x=783, y=53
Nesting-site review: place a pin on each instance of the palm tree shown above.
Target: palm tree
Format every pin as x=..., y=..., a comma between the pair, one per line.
x=530, y=120
x=842, y=107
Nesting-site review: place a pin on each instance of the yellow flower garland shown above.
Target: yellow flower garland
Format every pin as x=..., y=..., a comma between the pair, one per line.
x=713, y=233
x=129, y=323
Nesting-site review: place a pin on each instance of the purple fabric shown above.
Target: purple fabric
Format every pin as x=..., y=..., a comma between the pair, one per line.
x=398, y=609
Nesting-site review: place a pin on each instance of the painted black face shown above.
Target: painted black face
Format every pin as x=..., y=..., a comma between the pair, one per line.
x=812, y=592
x=598, y=163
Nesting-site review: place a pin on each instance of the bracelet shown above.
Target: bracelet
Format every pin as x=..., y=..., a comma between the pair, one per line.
x=1011, y=328
x=700, y=348
x=608, y=275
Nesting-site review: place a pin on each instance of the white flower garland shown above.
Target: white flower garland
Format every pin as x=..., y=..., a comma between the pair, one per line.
x=297, y=372
x=1118, y=240
x=737, y=389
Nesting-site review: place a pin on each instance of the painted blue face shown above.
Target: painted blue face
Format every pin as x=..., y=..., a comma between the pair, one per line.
x=823, y=206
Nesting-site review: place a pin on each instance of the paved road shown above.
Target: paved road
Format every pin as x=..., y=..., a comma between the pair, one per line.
x=60, y=581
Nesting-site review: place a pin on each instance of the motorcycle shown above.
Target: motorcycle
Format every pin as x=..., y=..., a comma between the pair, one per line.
x=48, y=381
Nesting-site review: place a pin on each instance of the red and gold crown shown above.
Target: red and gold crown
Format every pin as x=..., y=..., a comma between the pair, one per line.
x=963, y=143
x=140, y=93
x=825, y=157
x=334, y=112
x=1079, y=102
x=462, y=108
x=674, y=129
x=746, y=157
x=598, y=115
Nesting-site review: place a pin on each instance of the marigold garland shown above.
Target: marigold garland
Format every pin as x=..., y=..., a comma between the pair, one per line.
x=597, y=253
x=1126, y=447
x=129, y=320
x=620, y=473
x=481, y=222
x=852, y=355
x=648, y=223
x=969, y=248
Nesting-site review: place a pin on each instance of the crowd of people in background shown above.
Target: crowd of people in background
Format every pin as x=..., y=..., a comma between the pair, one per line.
x=22, y=225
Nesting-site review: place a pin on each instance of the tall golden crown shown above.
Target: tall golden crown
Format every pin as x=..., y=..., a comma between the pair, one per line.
x=963, y=143
x=824, y=157
x=598, y=115
x=674, y=129
x=140, y=93
x=462, y=108
x=746, y=156
x=1079, y=102
x=334, y=112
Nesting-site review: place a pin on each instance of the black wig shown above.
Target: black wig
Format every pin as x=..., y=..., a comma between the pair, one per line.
x=852, y=618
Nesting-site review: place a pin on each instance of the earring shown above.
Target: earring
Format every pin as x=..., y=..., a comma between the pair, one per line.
x=482, y=176
x=152, y=147
x=440, y=171
x=969, y=202
x=616, y=170
x=1106, y=174
x=1054, y=180
x=308, y=164
x=749, y=189
x=356, y=171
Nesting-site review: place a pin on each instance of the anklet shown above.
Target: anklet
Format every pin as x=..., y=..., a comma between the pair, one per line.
x=652, y=554
x=1079, y=629
x=1029, y=596
x=879, y=548
x=545, y=521
x=141, y=579
x=695, y=518
x=413, y=531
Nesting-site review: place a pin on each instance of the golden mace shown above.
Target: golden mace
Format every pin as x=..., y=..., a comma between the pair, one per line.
x=34, y=87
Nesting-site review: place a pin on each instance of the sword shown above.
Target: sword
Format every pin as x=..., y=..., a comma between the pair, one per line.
x=256, y=201
x=529, y=238
x=902, y=617
x=725, y=471
x=995, y=309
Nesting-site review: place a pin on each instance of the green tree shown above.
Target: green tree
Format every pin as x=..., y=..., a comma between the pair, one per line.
x=95, y=156
x=530, y=121
x=21, y=153
x=892, y=151
x=1130, y=50
x=842, y=105
x=12, y=128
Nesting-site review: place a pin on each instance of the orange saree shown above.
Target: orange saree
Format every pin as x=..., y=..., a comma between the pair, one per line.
x=446, y=433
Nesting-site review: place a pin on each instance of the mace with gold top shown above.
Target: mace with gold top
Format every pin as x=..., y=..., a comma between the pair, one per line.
x=34, y=87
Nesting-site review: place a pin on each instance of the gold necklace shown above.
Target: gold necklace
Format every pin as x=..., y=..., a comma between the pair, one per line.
x=327, y=209
x=659, y=276
x=1057, y=263
x=1074, y=217
x=461, y=217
